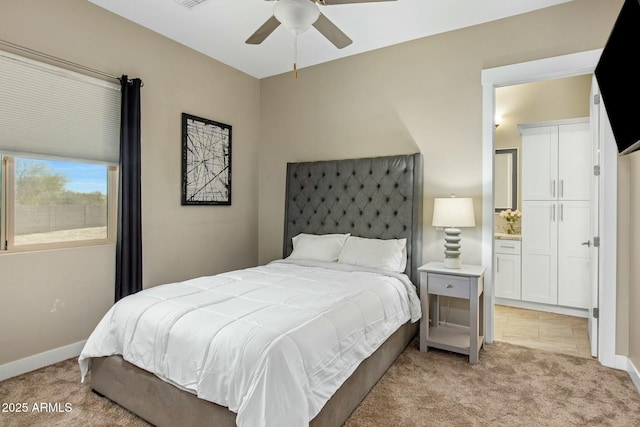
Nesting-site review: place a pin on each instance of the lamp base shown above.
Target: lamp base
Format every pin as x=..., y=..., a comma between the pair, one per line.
x=452, y=248
x=452, y=263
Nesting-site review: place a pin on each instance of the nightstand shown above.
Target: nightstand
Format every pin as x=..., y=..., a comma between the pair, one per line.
x=464, y=283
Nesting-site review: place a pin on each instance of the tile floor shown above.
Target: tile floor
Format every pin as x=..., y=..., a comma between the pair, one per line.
x=546, y=331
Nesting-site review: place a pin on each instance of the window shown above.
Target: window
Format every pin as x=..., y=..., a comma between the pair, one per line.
x=59, y=150
x=56, y=203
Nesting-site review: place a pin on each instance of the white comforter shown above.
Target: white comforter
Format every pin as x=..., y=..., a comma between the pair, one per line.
x=271, y=343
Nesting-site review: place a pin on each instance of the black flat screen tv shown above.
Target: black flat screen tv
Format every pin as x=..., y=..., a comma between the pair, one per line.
x=618, y=77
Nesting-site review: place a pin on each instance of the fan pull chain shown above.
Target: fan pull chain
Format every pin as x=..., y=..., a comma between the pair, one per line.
x=295, y=56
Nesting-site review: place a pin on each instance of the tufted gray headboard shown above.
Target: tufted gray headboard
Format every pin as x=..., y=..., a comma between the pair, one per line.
x=378, y=197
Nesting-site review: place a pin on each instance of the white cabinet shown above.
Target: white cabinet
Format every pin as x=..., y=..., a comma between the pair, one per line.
x=540, y=251
x=556, y=191
x=539, y=162
x=574, y=162
x=507, y=264
x=555, y=262
x=555, y=162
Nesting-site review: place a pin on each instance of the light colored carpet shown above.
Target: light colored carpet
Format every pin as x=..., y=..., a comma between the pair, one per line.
x=512, y=386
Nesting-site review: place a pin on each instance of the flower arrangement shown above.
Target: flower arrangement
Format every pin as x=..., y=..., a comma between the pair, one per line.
x=511, y=217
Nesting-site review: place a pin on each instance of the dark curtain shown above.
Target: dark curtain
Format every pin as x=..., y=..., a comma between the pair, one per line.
x=129, y=237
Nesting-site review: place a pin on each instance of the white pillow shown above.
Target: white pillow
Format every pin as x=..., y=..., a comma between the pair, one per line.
x=390, y=255
x=318, y=247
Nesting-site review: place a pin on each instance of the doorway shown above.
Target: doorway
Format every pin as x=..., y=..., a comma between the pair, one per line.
x=522, y=315
x=556, y=67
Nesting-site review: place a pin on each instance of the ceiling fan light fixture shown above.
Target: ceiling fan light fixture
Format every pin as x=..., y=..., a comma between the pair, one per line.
x=296, y=15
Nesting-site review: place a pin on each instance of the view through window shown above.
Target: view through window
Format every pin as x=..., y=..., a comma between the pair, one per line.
x=58, y=201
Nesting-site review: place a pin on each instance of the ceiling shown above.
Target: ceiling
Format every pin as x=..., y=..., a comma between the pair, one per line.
x=219, y=28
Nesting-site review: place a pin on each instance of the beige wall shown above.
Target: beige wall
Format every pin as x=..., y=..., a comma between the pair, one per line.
x=54, y=298
x=424, y=95
x=632, y=167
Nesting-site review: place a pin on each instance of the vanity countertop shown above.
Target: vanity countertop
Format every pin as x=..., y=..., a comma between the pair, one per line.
x=506, y=236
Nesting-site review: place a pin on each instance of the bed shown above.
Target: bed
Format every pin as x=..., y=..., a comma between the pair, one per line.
x=374, y=198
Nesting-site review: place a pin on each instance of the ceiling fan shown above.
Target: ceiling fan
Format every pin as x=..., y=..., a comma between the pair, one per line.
x=298, y=15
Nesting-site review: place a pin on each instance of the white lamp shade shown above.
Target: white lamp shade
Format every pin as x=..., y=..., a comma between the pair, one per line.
x=453, y=212
x=296, y=15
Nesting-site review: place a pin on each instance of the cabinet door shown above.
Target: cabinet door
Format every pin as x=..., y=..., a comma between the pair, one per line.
x=540, y=163
x=574, y=162
x=507, y=278
x=574, y=266
x=540, y=251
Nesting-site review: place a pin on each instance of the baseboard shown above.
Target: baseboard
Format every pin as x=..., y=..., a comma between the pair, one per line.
x=37, y=361
x=633, y=373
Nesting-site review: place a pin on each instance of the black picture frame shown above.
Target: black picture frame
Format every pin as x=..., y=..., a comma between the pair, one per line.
x=206, y=161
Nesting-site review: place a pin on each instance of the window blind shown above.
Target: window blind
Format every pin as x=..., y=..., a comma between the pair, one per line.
x=49, y=111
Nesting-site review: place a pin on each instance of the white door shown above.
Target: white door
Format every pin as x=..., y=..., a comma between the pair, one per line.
x=540, y=251
x=574, y=265
x=595, y=218
x=539, y=163
x=574, y=162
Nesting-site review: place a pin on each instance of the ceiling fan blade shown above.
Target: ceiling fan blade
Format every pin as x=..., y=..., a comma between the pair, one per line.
x=332, y=2
x=264, y=31
x=331, y=32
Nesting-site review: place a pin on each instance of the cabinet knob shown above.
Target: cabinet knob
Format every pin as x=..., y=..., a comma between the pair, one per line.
x=448, y=286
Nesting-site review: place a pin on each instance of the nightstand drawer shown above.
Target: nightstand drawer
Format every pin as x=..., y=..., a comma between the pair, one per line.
x=450, y=286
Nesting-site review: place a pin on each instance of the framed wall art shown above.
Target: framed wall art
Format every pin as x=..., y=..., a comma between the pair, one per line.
x=206, y=161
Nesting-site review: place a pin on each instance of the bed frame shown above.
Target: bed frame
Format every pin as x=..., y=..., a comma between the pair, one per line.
x=377, y=197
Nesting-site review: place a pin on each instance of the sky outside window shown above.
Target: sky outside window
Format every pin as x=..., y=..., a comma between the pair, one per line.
x=81, y=177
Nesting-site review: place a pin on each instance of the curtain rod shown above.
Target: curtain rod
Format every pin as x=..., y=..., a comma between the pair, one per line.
x=60, y=60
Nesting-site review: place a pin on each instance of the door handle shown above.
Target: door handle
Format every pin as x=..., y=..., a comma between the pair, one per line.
x=587, y=243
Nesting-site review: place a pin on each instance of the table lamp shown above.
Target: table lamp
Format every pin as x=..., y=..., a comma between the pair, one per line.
x=452, y=213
